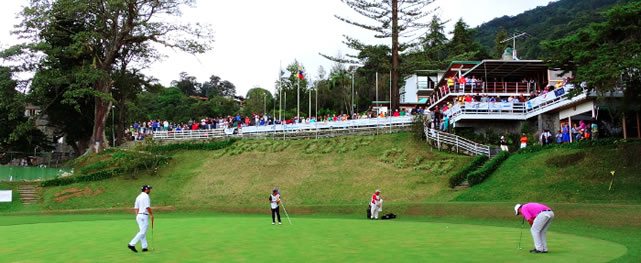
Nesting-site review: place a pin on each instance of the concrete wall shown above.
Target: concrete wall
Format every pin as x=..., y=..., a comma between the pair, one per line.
x=408, y=91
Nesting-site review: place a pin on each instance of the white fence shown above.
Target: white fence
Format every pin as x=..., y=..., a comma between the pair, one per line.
x=458, y=144
x=291, y=131
x=517, y=110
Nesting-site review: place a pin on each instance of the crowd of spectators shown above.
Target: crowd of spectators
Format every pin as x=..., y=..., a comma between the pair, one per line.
x=139, y=130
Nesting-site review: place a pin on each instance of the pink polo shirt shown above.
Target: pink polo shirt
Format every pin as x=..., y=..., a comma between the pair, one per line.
x=531, y=210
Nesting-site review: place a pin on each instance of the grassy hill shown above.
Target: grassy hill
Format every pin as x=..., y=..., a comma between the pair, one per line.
x=338, y=171
x=566, y=174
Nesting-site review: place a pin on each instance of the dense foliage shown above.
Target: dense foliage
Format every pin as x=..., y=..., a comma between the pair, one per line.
x=482, y=173
x=461, y=176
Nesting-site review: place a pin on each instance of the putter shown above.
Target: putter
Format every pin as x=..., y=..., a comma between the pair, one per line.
x=521, y=235
x=287, y=215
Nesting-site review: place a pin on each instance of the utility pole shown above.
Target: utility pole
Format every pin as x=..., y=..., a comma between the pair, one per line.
x=513, y=38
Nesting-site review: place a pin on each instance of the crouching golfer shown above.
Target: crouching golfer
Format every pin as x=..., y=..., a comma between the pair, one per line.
x=376, y=205
x=142, y=207
x=539, y=216
x=274, y=201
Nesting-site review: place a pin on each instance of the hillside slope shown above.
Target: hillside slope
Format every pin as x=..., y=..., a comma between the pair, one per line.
x=553, y=21
x=570, y=174
x=338, y=171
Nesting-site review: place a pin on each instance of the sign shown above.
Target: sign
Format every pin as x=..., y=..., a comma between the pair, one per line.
x=5, y=196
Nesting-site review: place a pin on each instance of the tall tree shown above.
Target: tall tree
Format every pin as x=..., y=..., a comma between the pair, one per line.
x=498, y=46
x=395, y=19
x=435, y=36
x=187, y=84
x=605, y=55
x=112, y=27
x=17, y=132
x=463, y=46
x=215, y=86
x=258, y=100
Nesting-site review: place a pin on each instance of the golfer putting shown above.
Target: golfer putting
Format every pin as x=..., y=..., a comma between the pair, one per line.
x=376, y=205
x=142, y=207
x=539, y=216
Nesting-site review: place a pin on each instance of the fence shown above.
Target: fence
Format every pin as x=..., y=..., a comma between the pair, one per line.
x=296, y=131
x=458, y=144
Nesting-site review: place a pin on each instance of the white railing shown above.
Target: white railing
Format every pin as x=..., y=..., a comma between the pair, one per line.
x=514, y=110
x=291, y=131
x=456, y=143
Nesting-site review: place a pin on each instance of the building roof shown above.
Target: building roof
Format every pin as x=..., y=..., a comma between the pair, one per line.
x=506, y=68
x=455, y=67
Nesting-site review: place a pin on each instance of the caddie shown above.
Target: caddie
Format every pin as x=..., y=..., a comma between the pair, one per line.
x=539, y=216
x=274, y=201
x=376, y=204
x=142, y=206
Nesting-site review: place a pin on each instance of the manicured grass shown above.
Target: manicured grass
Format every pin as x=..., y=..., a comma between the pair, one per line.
x=565, y=175
x=251, y=238
x=331, y=171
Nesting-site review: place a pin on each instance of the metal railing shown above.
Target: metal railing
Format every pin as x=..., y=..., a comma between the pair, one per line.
x=443, y=140
x=513, y=110
x=294, y=131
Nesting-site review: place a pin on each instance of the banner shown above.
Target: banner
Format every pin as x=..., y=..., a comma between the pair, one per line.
x=5, y=196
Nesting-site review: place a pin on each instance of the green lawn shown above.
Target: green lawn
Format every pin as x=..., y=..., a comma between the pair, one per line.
x=251, y=238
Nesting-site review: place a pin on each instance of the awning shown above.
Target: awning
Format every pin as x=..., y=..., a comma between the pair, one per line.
x=507, y=68
x=422, y=101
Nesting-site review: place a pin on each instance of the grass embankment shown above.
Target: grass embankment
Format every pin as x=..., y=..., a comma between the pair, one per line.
x=324, y=172
x=572, y=175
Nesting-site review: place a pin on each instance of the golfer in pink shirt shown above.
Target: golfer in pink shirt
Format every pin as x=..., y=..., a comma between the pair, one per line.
x=539, y=216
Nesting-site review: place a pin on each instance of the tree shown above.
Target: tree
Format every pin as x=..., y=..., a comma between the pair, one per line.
x=216, y=87
x=187, y=84
x=17, y=132
x=499, y=47
x=258, y=100
x=112, y=30
x=395, y=19
x=463, y=46
x=434, y=41
x=605, y=55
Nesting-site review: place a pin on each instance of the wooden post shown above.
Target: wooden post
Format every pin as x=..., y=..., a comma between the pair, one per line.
x=638, y=127
x=570, y=129
x=625, y=129
x=438, y=141
x=456, y=144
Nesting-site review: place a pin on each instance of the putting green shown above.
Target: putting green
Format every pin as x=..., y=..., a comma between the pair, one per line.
x=237, y=238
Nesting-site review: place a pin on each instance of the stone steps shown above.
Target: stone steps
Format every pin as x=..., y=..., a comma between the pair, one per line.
x=29, y=194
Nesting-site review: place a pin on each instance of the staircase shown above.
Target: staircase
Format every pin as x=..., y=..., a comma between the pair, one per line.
x=450, y=142
x=28, y=194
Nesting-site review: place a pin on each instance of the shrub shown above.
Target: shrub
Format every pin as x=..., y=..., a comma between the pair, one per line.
x=205, y=146
x=487, y=169
x=460, y=176
x=574, y=145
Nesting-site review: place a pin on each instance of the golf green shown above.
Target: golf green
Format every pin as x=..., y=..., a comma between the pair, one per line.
x=239, y=238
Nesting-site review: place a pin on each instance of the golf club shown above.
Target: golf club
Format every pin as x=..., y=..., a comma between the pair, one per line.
x=285, y=210
x=521, y=235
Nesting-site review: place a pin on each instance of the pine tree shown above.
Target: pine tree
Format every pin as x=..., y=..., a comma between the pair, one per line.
x=498, y=46
x=394, y=19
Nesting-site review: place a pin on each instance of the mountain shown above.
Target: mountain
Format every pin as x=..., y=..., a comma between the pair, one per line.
x=553, y=21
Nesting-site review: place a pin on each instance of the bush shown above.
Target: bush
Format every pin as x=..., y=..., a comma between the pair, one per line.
x=460, y=176
x=205, y=146
x=487, y=169
x=574, y=145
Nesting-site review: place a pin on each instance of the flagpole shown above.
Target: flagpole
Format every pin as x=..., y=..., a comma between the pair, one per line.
x=280, y=92
x=298, y=97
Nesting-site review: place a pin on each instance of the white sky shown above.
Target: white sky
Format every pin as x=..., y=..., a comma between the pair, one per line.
x=253, y=37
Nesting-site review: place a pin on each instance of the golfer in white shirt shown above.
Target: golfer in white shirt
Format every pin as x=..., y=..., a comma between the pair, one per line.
x=142, y=206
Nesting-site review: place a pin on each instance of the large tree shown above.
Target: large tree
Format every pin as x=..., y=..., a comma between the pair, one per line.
x=394, y=19
x=215, y=86
x=605, y=55
x=258, y=100
x=111, y=30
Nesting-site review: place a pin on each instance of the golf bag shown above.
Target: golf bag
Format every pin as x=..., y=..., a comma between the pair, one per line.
x=388, y=216
x=369, y=211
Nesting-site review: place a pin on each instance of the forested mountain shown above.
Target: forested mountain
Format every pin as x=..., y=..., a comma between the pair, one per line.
x=550, y=22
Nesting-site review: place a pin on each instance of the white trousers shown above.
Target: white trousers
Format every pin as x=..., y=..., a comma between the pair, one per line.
x=374, y=209
x=540, y=228
x=143, y=222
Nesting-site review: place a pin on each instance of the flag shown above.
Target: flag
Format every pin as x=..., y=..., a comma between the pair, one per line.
x=300, y=72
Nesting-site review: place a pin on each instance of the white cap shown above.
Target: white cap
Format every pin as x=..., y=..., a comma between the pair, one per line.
x=377, y=191
x=516, y=209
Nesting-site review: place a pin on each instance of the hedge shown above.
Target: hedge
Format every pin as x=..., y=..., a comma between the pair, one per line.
x=460, y=176
x=206, y=146
x=574, y=145
x=487, y=169
x=97, y=176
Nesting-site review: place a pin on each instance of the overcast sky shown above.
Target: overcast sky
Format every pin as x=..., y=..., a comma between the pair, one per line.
x=254, y=37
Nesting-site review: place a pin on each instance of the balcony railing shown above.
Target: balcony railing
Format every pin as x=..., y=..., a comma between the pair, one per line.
x=489, y=88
